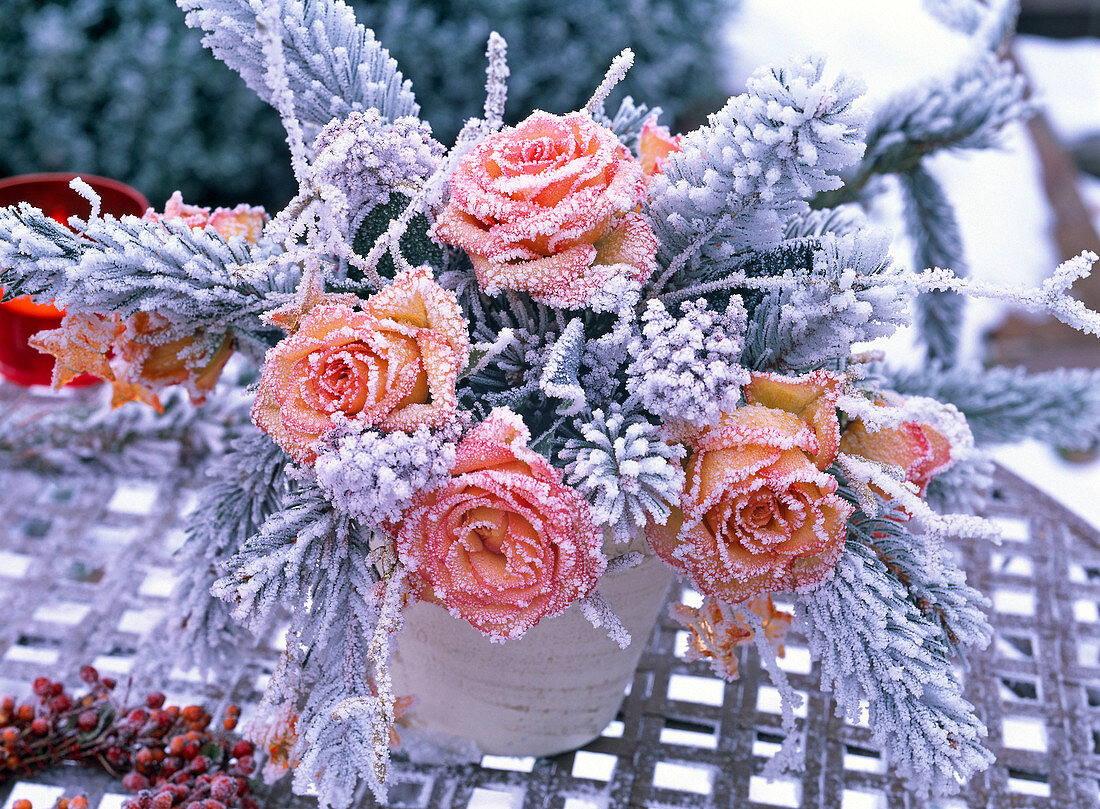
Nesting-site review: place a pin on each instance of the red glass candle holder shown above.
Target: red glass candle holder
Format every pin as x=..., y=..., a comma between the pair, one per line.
x=20, y=318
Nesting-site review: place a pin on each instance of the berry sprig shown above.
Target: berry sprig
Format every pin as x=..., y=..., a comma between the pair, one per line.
x=168, y=755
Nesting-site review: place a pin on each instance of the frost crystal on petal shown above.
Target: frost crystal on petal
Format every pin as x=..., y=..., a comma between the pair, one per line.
x=686, y=368
x=373, y=476
x=626, y=472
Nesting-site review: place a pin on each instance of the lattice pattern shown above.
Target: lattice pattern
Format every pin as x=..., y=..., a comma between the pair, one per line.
x=86, y=568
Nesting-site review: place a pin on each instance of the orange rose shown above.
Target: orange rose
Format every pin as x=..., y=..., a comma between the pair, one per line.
x=549, y=208
x=655, y=144
x=392, y=366
x=918, y=449
x=505, y=543
x=244, y=220
x=716, y=630
x=134, y=355
x=811, y=397
x=756, y=515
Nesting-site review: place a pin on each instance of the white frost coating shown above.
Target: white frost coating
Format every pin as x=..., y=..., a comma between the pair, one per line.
x=615, y=74
x=374, y=476
x=625, y=470
x=686, y=368
x=83, y=189
x=789, y=758
x=598, y=612
x=944, y=417
x=496, y=81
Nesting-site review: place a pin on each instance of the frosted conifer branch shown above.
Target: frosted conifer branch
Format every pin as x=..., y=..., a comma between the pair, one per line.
x=939, y=591
x=961, y=15
x=333, y=66
x=133, y=440
x=741, y=177
x=1008, y=404
x=1051, y=296
x=189, y=276
x=969, y=110
x=934, y=230
x=625, y=470
x=628, y=121
x=599, y=613
x=906, y=495
x=874, y=645
x=246, y=487
x=989, y=23
x=496, y=81
x=620, y=65
x=269, y=31
x=789, y=757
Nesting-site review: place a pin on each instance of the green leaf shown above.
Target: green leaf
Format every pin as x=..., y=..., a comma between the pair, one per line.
x=415, y=244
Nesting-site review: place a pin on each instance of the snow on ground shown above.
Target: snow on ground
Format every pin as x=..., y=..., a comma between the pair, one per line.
x=999, y=201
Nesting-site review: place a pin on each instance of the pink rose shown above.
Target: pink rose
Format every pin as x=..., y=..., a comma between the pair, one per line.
x=392, y=366
x=505, y=543
x=549, y=208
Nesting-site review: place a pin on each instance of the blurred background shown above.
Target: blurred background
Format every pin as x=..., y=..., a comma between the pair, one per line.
x=124, y=89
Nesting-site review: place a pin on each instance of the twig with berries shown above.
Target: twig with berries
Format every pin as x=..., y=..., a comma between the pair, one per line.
x=168, y=755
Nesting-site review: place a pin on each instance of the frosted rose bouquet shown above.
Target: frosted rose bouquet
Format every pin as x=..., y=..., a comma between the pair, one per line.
x=494, y=375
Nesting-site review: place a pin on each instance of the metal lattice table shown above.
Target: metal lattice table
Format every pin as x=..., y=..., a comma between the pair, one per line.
x=86, y=568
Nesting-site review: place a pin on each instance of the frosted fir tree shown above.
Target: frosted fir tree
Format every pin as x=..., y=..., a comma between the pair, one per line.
x=582, y=327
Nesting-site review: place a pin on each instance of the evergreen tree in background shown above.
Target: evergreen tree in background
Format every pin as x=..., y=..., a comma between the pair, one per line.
x=124, y=89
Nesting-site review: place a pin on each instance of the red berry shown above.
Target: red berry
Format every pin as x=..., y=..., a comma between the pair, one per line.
x=223, y=788
x=137, y=716
x=241, y=749
x=155, y=701
x=25, y=713
x=190, y=750
x=42, y=686
x=87, y=721
x=79, y=802
x=114, y=756
x=199, y=764
x=195, y=805
x=7, y=705
x=249, y=803
x=40, y=726
x=245, y=765
x=88, y=674
x=11, y=736
x=61, y=703
x=135, y=781
x=56, y=689
x=22, y=803
x=210, y=803
x=144, y=758
x=192, y=713
x=109, y=683
x=163, y=800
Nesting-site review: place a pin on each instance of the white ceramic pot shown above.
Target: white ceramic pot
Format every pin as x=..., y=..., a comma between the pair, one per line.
x=552, y=690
